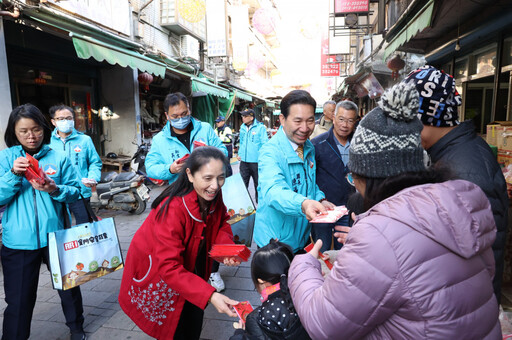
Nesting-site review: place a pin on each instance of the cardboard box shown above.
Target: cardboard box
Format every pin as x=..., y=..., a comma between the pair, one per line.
x=504, y=157
x=499, y=133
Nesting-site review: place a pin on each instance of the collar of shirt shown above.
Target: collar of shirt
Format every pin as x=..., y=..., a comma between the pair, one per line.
x=294, y=145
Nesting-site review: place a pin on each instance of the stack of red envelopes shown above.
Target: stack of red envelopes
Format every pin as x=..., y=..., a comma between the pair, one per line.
x=34, y=172
x=221, y=251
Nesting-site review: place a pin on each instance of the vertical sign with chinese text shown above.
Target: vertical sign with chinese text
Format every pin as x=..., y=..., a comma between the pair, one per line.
x=216, y=28
x=327, y=66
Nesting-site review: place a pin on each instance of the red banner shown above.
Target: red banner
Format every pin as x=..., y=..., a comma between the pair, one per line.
x=328, y=69
x=351, y=6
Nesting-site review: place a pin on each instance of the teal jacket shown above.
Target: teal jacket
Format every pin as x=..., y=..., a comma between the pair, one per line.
x=285, y=181
x=165, y=149
x=80, y=150
x=251, y=141
x=31, y=214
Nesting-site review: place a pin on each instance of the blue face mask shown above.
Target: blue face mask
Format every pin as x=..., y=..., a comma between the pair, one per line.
x=180, y=123
x=65, y=126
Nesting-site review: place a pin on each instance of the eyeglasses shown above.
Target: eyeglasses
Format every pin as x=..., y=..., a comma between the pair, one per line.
x=59, y=119
x=350, y=179
x=37, y=132
x=348, y=121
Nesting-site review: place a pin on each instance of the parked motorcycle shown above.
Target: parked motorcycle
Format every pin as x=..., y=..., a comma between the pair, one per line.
x=139, y=158
x=125, y=191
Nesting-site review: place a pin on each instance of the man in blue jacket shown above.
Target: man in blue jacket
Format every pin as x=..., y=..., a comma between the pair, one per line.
x=331, y=154
x=80, y=150
x=289, y=195
x=177, y=139
x=253, y=135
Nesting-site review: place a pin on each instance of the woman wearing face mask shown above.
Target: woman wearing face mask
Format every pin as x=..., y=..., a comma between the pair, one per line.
x=32, y=211
x=164, y=289
x=80, y=151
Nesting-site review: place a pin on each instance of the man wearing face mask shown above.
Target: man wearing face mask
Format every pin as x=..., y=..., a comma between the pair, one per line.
x=177, y=139
x=80, y=150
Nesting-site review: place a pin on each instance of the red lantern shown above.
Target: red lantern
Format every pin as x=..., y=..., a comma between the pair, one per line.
x=395, y=64
x=145, y=79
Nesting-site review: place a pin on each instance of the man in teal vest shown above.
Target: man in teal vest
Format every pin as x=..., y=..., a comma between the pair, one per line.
x=80, y=150
x=289, y=195
x=253, y=135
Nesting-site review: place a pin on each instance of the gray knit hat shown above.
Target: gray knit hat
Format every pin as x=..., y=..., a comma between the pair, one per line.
x=387, y=141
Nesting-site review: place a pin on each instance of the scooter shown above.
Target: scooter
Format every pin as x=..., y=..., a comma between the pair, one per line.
x=125, y=191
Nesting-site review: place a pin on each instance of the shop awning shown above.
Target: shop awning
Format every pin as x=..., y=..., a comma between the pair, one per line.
x=243, y=95
x=203, y=85
x=87, y=47
x=270, y=104
x=418, y=23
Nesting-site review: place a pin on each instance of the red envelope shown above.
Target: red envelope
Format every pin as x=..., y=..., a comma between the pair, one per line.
x=243, y=309
x=183, y=159
x=34, y=172
x=331, y=216
x=321, y=255
x=221, y=251
x=198, y=144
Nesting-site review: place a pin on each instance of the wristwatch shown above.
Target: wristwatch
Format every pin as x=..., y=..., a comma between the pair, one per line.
x=55, y=192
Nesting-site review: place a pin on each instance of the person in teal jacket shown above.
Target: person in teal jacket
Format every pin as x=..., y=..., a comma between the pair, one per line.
x=289, y=195
x=80, y=150
x=253, y=135
x=177, y=139
x=33, y=209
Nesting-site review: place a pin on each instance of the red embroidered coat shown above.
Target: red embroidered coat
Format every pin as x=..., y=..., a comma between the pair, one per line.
x=158, y=275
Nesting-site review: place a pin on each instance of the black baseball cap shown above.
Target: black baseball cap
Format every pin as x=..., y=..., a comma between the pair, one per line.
x=249, y=112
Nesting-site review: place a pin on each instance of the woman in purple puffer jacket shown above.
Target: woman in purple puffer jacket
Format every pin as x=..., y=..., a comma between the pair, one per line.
x=418, y=264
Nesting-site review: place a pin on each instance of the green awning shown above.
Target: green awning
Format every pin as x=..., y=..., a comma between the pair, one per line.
x=270, y=104
x=243, y=95
x=203, y=85
x=87, y=47
x=276, y=112
x=418, y=23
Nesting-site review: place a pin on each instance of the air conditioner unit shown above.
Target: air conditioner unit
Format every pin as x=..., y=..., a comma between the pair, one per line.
x=189, y=47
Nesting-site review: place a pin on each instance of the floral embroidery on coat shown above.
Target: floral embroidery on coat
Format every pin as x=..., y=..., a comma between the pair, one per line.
x=154, y=301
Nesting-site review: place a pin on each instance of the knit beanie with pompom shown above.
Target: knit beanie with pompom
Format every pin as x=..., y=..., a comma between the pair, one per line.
x=387, y=141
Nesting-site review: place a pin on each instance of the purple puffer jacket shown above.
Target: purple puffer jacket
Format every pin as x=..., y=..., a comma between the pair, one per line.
x=418, y=265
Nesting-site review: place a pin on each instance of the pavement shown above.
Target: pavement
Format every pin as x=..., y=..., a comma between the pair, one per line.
x=104, y=318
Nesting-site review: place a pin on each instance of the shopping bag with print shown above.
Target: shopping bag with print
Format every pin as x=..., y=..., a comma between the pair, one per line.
x=84, y=253
x=240, y=209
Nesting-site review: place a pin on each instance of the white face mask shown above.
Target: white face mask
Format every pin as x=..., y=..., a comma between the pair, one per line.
x=65, y=126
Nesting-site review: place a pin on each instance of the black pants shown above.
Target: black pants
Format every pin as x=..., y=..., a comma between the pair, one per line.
x=79, y=211
x=190, y=324
x=21, y=276
x=248, y=170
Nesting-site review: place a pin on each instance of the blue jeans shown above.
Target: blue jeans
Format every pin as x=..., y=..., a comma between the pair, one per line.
x=325, y=232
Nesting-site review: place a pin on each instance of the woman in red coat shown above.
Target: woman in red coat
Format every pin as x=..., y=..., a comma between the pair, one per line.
x=164, y=288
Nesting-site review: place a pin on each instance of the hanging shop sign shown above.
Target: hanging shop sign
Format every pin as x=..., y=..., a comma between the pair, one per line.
x=114, y=14
x=351, y=6
x=216, y=28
